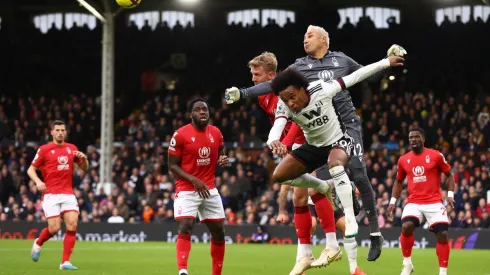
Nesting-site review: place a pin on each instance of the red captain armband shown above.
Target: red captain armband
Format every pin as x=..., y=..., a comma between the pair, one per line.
x=341, y=83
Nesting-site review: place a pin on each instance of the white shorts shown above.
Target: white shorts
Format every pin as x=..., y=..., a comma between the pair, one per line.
x=56, y=204
x=434, y=213
x=188, y=205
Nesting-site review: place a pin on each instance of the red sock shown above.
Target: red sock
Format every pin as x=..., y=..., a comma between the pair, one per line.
x=68, y=245
x=45, y=235
x=325, y=213
x=218, y=256
x=302, y=222
x=406, y=243
x=442, y=251
x=183, y=249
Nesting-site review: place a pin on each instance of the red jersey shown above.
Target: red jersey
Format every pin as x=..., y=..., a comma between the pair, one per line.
x=56, y=164
x=424, y=175
x=268, y=103
x=199, y=151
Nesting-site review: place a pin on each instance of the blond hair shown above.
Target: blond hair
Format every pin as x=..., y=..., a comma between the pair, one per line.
x=322, y=31
x=267, y=60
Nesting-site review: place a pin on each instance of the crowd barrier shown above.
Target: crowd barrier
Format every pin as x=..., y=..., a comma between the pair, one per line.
x=279, y=235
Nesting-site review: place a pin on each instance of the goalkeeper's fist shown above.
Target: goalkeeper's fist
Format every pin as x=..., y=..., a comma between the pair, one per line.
x=396, y=50
x=232, y=95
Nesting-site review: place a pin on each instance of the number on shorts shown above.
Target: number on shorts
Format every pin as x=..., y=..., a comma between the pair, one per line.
x=357, y=150
x=443, y=211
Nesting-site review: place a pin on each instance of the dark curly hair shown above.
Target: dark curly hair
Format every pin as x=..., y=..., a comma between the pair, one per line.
x=286, y=78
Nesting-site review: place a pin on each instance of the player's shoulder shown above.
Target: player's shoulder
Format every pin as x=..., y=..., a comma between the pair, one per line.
x=433, y=151
x=300, y=61
x=404, y=158
x=71, y=146
x=214, y=129
x=47, y=146
x=188, y=128
x=336, y=54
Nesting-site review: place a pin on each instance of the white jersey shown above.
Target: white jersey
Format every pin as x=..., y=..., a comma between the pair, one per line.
x=319, y=120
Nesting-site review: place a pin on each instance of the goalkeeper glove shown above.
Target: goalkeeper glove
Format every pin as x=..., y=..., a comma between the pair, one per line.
x=396, y=50
x=232, y=95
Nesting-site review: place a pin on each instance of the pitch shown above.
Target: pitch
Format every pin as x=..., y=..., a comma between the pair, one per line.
x=247, y=259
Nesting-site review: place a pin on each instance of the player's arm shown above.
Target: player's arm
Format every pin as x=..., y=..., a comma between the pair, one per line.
x=223, y=158
x=82, y=161
x=397, y=187
x=354, y=66
x=282, y=115
x=450, y=183
x=32, y=170
x=293, y=132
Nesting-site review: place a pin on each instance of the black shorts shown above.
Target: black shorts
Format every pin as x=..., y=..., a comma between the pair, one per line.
x=338, y=213
x=314, y=157
x=354, y=130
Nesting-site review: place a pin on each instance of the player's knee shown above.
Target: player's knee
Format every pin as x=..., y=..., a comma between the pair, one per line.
x=218, y=234
x=185, y=228
x=279, y=177
x=442, y=236
x=408, y=227
x=54, y=228
x=300, y=198
x=71, y=225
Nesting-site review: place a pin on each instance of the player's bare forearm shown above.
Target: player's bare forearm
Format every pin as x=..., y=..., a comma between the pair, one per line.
x=257, y=90
x=174, y=163
x=83, y=165
x=451, y=185
x=397, y=189
x=282, y=198
x=31, y=172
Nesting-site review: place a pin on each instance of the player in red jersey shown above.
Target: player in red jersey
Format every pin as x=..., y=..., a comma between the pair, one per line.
x=263, y=68
x=56, y=160
x=423, y=167
x=195, y=150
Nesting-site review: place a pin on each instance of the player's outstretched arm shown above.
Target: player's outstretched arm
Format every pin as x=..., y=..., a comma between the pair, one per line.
x=234, y=94
x=369, y=70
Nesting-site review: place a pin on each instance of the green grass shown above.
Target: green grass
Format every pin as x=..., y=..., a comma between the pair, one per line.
x=159, y=258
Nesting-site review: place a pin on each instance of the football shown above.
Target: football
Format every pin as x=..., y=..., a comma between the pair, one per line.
x=128, y=4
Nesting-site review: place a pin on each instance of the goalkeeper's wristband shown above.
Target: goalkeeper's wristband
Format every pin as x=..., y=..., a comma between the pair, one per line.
x=243, y=93
x=393, y=200
x=450, y=194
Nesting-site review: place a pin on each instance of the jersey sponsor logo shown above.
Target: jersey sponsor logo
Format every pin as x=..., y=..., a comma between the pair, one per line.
x=204, y=159
x=63, y=163
x=313, y=113
x=319, y=121
x=326, y=75
x=418, y=174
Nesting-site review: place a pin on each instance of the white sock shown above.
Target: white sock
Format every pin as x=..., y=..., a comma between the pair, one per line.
x=331, y=240
x=183, y=271
x=343, y=188
x=407, y=260
x=307, y=181
x=442, y=270
x=297, y=252
x=350, y=245
x=304, y=250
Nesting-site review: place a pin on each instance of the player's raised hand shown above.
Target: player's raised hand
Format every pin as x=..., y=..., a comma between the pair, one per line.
x=282, y=218
x=41, y=187
x=278, y=148
x=201, y=188
x=396, y=50
x=232, y=95
x=396, y=61
x=79, y=155
x=390, y=210
x=223, y=160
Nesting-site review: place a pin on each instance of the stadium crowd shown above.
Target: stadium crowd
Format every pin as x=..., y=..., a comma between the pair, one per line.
x=445, y=100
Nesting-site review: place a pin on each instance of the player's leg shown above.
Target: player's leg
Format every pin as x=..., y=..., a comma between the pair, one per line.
x=302, y=223
x=70, y=213
x=337, y=159
x=186, y=204
x=438, y=222
x=70, y=218
x=211, y=213
x=411, y=218
x=292, y=170
x=52, y=210
x=350, y=244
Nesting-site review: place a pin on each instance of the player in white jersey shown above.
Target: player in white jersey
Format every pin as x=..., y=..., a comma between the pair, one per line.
x=310, y=105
